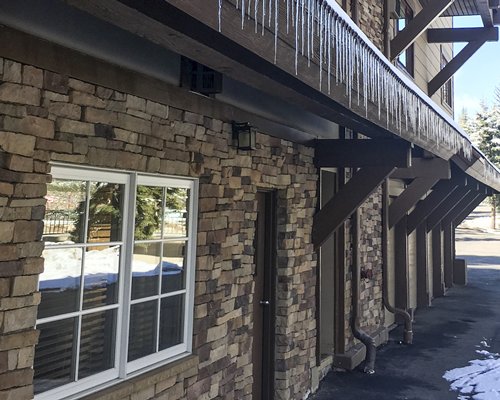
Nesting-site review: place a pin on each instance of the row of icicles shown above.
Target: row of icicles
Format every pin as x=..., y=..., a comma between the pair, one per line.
x=321, y=34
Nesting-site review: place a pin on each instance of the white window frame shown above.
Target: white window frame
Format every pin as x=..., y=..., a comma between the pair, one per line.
x=123, y=369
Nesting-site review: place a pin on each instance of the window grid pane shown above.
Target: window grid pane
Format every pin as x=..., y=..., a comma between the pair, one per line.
x=95, y=231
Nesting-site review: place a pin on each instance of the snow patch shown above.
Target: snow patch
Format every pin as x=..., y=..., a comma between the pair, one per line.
x=480, y=380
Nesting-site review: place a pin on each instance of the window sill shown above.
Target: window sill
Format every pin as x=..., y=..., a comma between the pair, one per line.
x=123, y=388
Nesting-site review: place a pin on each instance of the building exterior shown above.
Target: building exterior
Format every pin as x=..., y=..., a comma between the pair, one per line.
x=224, y=199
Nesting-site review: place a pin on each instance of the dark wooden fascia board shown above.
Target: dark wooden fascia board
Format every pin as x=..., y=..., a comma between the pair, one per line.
x=454, y=65
x=452, y=35
x=417, y=26
x=437, y=216
x=425, y=207
x=346, y=201
x=478, y=200
x=424, y=168
x=358, y=153
x=410, y=196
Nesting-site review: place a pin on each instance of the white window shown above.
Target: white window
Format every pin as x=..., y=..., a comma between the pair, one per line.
x=118, y=285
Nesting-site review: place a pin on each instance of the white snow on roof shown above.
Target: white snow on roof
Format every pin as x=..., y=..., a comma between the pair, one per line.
x=480, y=380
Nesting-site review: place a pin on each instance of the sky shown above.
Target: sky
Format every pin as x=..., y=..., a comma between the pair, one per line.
x=477, y=78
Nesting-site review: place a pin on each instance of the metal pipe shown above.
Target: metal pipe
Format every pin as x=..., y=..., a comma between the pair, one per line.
x=387, y=38
x=367, y=340
x=355, y=11
x=408, y=330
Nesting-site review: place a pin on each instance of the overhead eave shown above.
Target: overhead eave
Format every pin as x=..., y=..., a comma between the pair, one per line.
x=267, y=62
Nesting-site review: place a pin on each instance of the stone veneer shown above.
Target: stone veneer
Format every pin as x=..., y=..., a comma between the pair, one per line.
x=46, y=117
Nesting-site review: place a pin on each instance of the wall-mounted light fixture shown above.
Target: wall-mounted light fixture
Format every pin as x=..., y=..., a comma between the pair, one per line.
x=244, y=135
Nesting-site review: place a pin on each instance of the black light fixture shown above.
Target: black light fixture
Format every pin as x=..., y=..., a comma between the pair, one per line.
x=244, y=135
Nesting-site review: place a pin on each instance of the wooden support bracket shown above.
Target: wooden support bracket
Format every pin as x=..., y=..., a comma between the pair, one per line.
x=435, y=218
x=425, y=207
x=424, y=168
x=346, y=201
x=406, y=200
x=417, y=26
x=478, y=200
x=452, y=35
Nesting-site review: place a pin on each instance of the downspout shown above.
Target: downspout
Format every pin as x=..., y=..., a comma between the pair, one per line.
x=355, y=11
x=408, y=330
x=368, y=341
x=387, y=38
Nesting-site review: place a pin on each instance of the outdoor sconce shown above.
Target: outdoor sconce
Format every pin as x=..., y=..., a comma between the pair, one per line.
x=244, y=135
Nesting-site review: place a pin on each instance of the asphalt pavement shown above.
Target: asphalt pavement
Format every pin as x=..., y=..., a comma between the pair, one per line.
x=446, y=335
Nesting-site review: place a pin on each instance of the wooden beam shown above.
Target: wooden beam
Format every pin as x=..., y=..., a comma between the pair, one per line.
x=452, y=35
x=460, y=207
x=448, y=256
x=401, y=292
x=424, y=168
x=437, y=263
x=346, y=201
x=423, y=297
x=410, y=196
x=453, y=66
x=471, y=207
x=358, y=153
x=435, y=218
x=425, y=207
x=417, y=26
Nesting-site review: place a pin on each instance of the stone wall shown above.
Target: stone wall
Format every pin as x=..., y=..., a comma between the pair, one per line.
x=371, y=21
x=47, y=117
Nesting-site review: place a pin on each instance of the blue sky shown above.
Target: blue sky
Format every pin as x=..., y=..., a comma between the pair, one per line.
x=478, y=77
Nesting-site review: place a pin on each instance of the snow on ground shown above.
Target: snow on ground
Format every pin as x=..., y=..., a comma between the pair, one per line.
x=480, y=380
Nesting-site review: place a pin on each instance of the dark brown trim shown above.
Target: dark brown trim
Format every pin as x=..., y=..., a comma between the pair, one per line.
x=401, y=265
x=448, y=254
x=424, y=168
x=437, y=274
x=358, y=153
x=423, y=299
x=452, y=35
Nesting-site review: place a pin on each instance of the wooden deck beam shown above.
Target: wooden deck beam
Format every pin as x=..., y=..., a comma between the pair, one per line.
x=452, y=35
x=346, y=201
x=358, y=153
x=424, y=168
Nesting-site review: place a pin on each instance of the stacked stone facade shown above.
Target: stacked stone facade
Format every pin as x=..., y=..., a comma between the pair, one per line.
x=48, y=117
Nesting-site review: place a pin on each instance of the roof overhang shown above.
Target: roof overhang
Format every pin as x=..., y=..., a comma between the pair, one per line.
x=226, y=40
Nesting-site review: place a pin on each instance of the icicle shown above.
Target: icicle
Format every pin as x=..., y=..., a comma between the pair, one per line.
x=242, y=14
x=321, y=47
x=270, y=12
x=220, y=15
x=329, y=49
x=287, y=17
x=297, y=38
x=303, y=23
x=276, y=19
x=263, y=16
x=256, y=6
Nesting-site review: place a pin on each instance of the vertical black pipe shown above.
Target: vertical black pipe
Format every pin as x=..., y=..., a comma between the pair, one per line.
x=408, y=330
x=368, y=341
